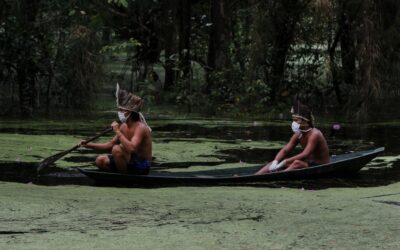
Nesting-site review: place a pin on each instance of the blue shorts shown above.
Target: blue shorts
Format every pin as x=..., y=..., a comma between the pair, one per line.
x=136, y=165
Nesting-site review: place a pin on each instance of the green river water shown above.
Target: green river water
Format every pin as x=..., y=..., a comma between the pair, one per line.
x=355, y=213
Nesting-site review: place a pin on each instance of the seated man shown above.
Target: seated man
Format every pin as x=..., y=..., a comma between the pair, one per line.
x=315, y=147
x=131, y=147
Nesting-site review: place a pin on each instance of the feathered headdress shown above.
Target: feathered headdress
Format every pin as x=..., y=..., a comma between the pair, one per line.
x=130, y=102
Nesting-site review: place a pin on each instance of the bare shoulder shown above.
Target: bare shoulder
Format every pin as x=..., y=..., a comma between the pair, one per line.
x=142, y=128
x=317, y=133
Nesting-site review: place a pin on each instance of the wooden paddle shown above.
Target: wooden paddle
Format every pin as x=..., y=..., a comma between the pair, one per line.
x=49, y=160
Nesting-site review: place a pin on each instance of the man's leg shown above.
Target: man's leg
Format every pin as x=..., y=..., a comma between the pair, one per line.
x=121, y=158
x=103, y=162
x=265, y=169
x=297, y=164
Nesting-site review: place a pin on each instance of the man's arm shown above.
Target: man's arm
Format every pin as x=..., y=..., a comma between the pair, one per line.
x=288, y=147
x=133, y=144
x=281, y=154
x=101, y=146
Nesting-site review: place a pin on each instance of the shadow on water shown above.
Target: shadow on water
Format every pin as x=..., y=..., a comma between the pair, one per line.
x=26, y=172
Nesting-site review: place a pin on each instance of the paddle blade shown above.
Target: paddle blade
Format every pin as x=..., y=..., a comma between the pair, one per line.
x=50, y=160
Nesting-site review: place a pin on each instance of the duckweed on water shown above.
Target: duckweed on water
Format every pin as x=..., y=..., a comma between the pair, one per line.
x=384, y=161
x=202, y=149
x=73, y=217
x=82, y=217
x=34, y=148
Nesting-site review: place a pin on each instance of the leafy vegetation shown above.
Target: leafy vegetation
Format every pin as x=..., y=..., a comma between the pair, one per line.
x=213, y=57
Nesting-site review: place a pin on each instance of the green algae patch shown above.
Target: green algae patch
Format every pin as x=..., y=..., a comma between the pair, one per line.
x=74, y=217
x=202, y=149
x=384, y=161
x=35, y=148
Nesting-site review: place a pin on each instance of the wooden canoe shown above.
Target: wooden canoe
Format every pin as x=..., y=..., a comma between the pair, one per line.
x=340, y=165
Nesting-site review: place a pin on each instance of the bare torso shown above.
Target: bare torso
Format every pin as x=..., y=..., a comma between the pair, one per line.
x=144, y=148
x=320, y=153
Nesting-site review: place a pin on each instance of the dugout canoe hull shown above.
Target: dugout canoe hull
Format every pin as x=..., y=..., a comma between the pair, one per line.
x=340, y=165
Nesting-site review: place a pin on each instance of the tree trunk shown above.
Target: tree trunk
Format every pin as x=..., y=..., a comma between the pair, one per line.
x=368, y=52
x=26, y=68
x=333, y=44
x=25, y=93
x=333, y=66
x=170, y=41
x=218, y=56
x=347, y=43
x=284, y=19
x=169, y=63
x=184, y=14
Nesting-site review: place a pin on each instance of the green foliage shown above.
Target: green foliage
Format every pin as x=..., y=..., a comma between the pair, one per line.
x=123, y=46
x=52, y=56
x=267, y=52
x=123, y=3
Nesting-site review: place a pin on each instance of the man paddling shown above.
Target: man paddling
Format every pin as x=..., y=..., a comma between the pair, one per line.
x=315, y=148
x=131, y=147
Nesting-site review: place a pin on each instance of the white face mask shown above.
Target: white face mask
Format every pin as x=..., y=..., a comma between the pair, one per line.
x=121, y=116
x=295, y=127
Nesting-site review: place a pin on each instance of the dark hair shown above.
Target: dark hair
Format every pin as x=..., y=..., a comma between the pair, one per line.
x=134, y=116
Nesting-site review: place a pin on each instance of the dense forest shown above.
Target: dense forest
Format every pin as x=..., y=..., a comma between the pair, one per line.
x=205, y=56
